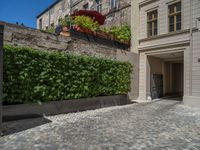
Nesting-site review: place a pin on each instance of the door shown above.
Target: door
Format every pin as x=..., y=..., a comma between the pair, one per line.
x=156, y=86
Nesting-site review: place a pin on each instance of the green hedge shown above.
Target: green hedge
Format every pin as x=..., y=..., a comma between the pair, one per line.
x=31, y=76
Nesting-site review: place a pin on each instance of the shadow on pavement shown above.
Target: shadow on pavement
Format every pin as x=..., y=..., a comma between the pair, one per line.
x=10, y=126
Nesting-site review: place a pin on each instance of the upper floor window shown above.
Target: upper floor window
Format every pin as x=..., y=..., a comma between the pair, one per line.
x=175, y=17
x=113, y=4
x=86, y=6
x=99, y=5
x=152, y=23
x=52, y=25
x=75, y=11
x=40, y=24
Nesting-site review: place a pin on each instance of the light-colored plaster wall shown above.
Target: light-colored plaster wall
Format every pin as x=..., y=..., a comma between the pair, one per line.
x=162, y=7
x=169, y=42
x=59, y=10
x=156, y=65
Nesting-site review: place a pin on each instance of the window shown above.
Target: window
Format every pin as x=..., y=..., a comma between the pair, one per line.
x=113, y=4
x=86, y=6
x=40, y=24
x=99, y=5
x=52, y=25
x=152, y=23
x=75, y=11
x=175, y=17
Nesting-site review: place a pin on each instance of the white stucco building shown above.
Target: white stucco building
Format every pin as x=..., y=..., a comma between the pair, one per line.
x=166, y=35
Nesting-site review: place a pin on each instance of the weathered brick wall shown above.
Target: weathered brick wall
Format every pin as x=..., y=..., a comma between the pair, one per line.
x=90, y=48
x=27, y=37
x=22, y=36
x=119, y=17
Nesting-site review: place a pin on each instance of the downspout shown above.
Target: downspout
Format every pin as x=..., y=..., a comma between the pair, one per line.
x=49, y=18
x=70, y=13
x=191, y=49
x=1, y=75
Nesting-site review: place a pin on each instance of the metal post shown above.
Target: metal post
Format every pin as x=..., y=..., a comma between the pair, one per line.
x=1, y=74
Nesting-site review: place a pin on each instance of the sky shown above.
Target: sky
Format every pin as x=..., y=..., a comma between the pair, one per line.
x=22, y=11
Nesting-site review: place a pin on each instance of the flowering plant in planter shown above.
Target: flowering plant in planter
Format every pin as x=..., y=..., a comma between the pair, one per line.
x=66, y=22
x=92, y=14
x=104, y=33
x=121, y=33
x=85, y=24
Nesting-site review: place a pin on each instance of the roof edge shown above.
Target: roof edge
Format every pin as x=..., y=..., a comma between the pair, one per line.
x=47, y=9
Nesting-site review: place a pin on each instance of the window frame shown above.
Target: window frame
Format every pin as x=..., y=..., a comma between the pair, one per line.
x=99, y=5
x=174, y=14
x=52, y=25
x=115, y=4
x=152, y=21
x=75, y=11
x=86, y=6
x=40, y=23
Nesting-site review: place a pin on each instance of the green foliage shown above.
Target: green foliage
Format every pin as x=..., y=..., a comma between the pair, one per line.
x=66, y=21
x=85, y=22
x=105, y=30
x=36, y=76
x=50, y=30
x=122, y=33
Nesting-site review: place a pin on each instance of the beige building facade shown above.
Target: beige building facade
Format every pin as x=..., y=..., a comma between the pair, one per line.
x=117, y=12
x=166, y=35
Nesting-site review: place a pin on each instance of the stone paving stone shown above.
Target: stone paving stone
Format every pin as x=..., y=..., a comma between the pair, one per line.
x=160, y=125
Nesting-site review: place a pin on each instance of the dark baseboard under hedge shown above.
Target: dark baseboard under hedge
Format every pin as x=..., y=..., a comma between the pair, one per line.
x=24, y=111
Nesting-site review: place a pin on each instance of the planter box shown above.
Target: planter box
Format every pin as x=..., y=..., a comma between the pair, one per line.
x=80, y=35
x=22, y=111
x=100, y=39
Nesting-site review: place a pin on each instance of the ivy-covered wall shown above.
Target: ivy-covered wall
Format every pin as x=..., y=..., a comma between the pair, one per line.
x=32, y=76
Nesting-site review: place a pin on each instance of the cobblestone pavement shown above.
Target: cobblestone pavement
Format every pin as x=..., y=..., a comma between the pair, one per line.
x=160, y=125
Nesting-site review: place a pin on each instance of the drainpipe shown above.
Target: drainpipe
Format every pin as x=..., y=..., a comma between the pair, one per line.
x=49, y=18
x=191, y=49
x=1, y=75
x=70, y=13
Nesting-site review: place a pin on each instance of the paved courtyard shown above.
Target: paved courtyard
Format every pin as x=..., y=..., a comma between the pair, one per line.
x=160, y=125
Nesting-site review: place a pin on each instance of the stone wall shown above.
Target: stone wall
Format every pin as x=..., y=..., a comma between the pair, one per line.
x=21, y=36
x=27, y=37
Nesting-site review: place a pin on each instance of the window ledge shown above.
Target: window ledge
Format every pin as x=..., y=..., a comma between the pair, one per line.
x=165, y=35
